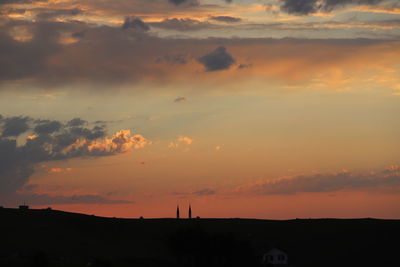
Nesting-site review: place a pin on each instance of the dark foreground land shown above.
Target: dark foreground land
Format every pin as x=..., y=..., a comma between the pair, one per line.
x=56, y=238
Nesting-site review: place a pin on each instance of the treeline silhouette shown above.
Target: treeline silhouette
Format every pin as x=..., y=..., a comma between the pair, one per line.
x=192, y=246
x=77, y=240
x=39, y=259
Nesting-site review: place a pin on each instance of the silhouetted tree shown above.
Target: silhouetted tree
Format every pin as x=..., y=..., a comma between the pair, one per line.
x=39, y=260
x=193, y=247
x=100, y=263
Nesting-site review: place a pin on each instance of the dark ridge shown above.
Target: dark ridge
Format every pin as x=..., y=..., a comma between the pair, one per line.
x=59, y=238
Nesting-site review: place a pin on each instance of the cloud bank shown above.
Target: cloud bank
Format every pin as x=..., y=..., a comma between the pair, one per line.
x=305, y=7
x=61, y=53
x=388, y=178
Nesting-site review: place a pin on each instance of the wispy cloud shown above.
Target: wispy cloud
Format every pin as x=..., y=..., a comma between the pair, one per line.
x=44, y=199
x=181, y=140
x=326, y=182
x=180, y=99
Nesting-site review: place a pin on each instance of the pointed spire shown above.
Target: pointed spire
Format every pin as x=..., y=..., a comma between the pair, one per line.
x=190, y=212
x=177, y=212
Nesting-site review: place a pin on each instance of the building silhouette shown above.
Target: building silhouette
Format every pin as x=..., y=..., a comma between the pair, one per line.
x=189, y=212
x=24, y=207
x=275, y=257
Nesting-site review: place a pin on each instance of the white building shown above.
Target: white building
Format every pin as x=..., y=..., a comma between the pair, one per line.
x=275, y=257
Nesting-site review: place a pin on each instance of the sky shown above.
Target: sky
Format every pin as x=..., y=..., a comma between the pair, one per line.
x=270, y=109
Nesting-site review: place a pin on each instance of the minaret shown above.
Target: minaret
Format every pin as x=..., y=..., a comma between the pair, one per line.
x=190, y=212
x=177, y=212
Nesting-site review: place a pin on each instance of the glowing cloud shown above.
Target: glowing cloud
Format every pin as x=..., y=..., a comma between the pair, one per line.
x=181, y=139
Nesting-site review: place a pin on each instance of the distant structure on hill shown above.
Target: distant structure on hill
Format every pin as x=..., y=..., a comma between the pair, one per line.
x=189, y=212
x=275, y=257
x=24, y=207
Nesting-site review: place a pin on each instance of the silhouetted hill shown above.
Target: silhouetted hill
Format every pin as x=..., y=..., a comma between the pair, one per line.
x=57, y=238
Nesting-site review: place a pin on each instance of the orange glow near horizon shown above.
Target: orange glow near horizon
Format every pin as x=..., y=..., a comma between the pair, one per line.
x=332, y=205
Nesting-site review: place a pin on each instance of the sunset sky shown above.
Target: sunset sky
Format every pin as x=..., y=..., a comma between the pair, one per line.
x=271, y=109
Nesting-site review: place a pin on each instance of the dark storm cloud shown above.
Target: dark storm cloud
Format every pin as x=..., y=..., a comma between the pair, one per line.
x=14, y=126
x=50, y=141
x=329, y=182
x=305, y=7
x=135, y=23
x=227, y=19
x=219, y=59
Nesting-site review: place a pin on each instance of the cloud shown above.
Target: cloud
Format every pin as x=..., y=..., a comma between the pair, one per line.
x=344, y=180
x=56, y=13
x=218, y=59
x=174, y=59
x=14, y=126
x=173, y=145
x=227, y=19
x=136, y=24
x=204, y=192
x=43, y=199
x=9, y=11
x=181, y=24
x=52, y=141
x=180, y=140
x=121, y=142
x=59, y=170
x=14, y=2
x=44, y=127
x=185, y=139
x=305, y=7
x=77, y=122
x=184, y=2
x=244, y=66
x=103, y=56
x=198, y=193
x=180, y=99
